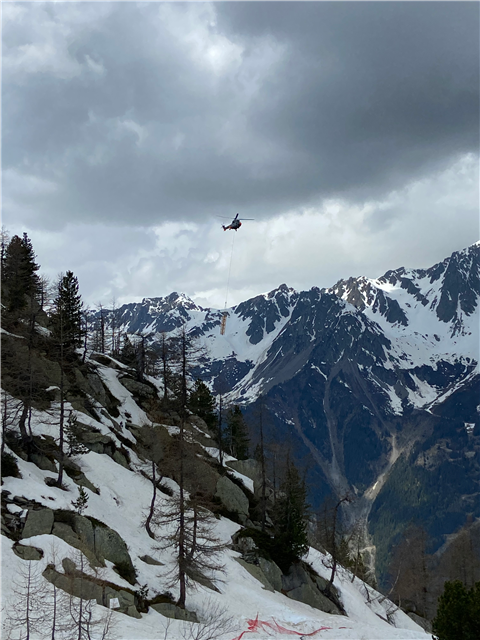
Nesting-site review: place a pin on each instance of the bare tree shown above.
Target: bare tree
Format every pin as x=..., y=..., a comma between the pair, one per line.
x=86, y=619
x=166, y=354
x=187, y=353
x=328, y=534
x=187, y=527
x=149, y=470
x=215, y=621
x=411, y=562
x=26, y=613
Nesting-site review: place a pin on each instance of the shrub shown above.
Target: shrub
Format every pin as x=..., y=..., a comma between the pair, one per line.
x=10, y=466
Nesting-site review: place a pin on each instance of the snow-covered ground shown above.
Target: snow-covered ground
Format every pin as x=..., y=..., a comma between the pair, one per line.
x=124, y=498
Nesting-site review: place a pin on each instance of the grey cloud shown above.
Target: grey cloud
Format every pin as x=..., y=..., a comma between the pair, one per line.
x=359, y=98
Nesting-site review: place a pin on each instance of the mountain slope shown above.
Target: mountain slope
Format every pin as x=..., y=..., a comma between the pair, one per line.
x=355, y=376
x=40, y=522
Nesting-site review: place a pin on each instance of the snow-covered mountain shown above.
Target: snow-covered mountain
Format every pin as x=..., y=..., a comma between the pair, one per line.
x=421, y=317
x=355, y=377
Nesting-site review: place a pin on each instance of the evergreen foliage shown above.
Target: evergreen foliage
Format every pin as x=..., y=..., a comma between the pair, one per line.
x=458, y=614
x=73, y=436
x=66, y=319
x=80, y=504
x=237, y=440
x=9, y=466
x=20, y=282
x=202, y=403
x=290, y=519
x=127, y=354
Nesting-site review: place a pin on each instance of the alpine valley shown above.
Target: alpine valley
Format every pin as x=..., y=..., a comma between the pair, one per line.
x=374, y=383
x=111, y=490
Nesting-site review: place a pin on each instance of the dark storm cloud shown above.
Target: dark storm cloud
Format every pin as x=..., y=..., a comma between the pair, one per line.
x=370, y=92
x=136, y=120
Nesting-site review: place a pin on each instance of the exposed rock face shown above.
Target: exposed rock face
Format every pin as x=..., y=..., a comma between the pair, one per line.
x=202, y=579
x=109, y=545
x=172, y=611
x=66, y=533
x=249, y=468
x=256, y=572
x=43, y=462
x=422, y=622
x=82, y=585
x=232, y=497
x=137, y=388
x=299, y=584
x=95, y=540
x=27, y=553
x=38, y=522
x=149, y=560
x=272, y=572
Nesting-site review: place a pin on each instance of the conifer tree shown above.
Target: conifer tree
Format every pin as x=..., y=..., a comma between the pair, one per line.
x=20, y=282
x=67, y=331
x=202, y=403
x=67, y=328
x=458, y=615
x=73, y=436
x=127, y=354
x=290, y=518
x=237, y=438
x=80, y=504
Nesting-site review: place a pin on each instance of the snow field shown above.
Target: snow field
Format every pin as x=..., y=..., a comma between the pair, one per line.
x=122, y=504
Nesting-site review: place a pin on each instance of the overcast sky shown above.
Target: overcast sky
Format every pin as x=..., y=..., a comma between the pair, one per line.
x=348, y=131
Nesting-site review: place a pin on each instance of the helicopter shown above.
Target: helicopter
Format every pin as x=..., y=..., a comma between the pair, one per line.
x=235, y=224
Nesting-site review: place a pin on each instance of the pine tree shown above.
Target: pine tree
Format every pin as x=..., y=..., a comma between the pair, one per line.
x=127, y=354
x=67, y=332
x=202, y=403
x=80, y=504
x=20, y=282
x=237, y=438
x=66, y=318
x=73, y=436
x=290, y=518
x=458, y=613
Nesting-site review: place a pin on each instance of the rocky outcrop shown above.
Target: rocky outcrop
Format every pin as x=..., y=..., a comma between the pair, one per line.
x=422, y=622
x=304, y=585
x=88, y=587
x=232, y=497
x=301, y=582
x=172, y=611
x=93, y=538
x=109, y=545
x=249, y=468
x=255, y=571
x=27, y=553
x=138, y=389
x=272, y=572
x=149, y=560
x=38, y=522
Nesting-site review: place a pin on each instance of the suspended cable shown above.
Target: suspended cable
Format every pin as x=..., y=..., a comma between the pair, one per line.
x=229, y=272
x=225, y=314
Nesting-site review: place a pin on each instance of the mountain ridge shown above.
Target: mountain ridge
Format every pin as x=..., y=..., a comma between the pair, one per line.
x=356, y=377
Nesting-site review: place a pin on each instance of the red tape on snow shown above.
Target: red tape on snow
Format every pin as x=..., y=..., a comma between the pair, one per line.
x=262, y=625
